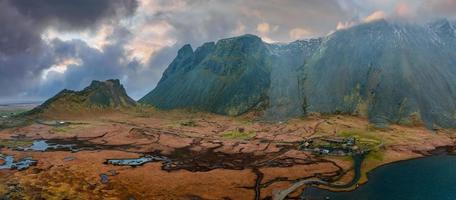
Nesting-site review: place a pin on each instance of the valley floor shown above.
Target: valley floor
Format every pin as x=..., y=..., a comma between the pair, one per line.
x=191, y=155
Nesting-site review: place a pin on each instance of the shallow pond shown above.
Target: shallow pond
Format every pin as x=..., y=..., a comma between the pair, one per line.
x=432, y=177
x=136, y=161
x=60, y=145
x=43, y=145
x=10, y=163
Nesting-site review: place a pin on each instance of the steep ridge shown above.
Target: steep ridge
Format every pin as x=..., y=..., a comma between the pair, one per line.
x=230, y=77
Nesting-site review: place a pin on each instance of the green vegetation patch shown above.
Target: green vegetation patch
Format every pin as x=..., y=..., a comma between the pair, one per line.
x=236, y=134
x=375, y=155
x=142, y=110
x=190, y=123
x=359, y=135
x=12, y=112
x=69, y=127
x=15, y=143
x=62, y=129
x=367, y=141
x=364, y=140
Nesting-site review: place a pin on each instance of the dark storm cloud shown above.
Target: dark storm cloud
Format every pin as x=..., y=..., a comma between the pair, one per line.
x=18, y=33
x=23, y=21
x=19, y=71
x=110, y=63
x=23, y=53
x=74, y=14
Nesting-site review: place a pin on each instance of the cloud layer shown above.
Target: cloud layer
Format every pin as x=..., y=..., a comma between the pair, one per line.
x=49, y=45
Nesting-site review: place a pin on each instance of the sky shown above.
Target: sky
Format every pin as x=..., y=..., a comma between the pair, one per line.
x=49, y=45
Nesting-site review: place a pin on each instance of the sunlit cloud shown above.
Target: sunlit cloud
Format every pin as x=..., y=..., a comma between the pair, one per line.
x=154, y=6
x=97, y=40
x=264, y=29
x=150, y=39
x=300, y=33
x=345, y=25
x=240, y=29
x=403, y=9
x=377, y=15
x=60, y=67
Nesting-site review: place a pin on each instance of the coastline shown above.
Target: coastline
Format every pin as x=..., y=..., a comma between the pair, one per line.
x=441, y=150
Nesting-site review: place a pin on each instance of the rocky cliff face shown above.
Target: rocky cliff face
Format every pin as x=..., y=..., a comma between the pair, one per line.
x=98, y=95
x=388, y=72
x=392, y=73
x=230, y=77
x=285, y=93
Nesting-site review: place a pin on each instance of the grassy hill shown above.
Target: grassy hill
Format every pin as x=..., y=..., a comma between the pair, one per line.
x=98, y=96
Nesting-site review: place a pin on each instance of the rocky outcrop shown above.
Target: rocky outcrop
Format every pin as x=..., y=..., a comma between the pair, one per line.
x=98, y=95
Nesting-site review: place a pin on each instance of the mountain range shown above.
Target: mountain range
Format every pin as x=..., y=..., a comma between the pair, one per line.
x=389, y=72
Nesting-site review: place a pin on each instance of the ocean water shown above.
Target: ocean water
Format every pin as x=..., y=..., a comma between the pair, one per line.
x=428, y=178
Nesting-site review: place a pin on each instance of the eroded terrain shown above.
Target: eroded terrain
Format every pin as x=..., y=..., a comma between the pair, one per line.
x=186, y=155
